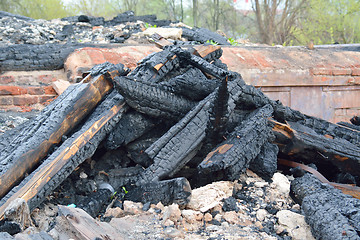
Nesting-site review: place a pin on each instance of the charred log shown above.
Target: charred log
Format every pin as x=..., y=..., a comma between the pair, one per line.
x=130, y=127
x=203, y=35
x=192, y=84
x=175, y=190
x=152, y=100
x=234, y=154
x=330, y=213
x=175, y=148
x=76, y=149
x=34, y=142
x=355, y=120
x=95, y=202
x=299, y=141
x=265, y=164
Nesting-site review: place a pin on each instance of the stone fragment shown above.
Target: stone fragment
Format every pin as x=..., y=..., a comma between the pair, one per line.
x=60, y=86
x=295, y=225
x=208, y=217
x=209, y=196
x=172, y=212
x=173, y=233
x=132, y=208
x=191, y=216
x=281, y=184
x=231, y=217
x=261, y=214
x=114, y=212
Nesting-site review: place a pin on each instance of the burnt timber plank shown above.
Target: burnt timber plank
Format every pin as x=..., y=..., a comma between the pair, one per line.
x=301, y=142
x=152, y=100
x=76, y=149
x=177, y=146
x=77, y=224
x=330, y=213
x=243, y=145
x=45, y=131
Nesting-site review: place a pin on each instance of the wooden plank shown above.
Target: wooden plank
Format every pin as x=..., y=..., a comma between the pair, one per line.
x=53, y=123
x=72, y=152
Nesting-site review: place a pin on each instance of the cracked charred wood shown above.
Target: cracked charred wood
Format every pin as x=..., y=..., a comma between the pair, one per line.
x=355, y=120
x=155, y=66
x=152, y=100
x=47, y=129
x=301, y=142
x=177, y=190
x=137, y=149
x=94, y=202
x=123, y=176
x=265, y=164
x=345, y=188
x=176, y=147
x=192, y=84
x=73, y=151
x=330, y=213
x=130, y=127
x=234, y=154
x=203, y=65
x=203, y=35
x=349, y=125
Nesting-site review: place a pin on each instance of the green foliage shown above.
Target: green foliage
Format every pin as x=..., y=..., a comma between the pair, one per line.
x=212, y=42
x=329, y=21
x=124, y=189
x=233, y=42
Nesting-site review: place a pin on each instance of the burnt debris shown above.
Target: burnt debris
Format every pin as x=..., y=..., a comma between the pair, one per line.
x=179, y=120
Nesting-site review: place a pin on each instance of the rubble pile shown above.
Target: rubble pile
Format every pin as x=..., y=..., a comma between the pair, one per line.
x=124, y=28
x=177, y=124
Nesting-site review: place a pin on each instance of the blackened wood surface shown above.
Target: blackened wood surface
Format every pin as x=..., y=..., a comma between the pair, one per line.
x=175, y=148
x=129, y=128
x=244, y=144
x=76, y=149
x=34, y=142
x=152, y=100
x=265, y=164
x=302, y=142
x=330, y=213
x=177, y=190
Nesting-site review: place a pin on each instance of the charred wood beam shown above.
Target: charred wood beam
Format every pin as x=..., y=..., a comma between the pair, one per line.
x=130, y=127
x=175, y=148
x=192, y=84
x=302, y=142
x=234, y=154
x=330, y=213
x=265, y=164
x=76, y=149
x=345, y=188
x=47, y=130
x=177, y=190
x=152, y=100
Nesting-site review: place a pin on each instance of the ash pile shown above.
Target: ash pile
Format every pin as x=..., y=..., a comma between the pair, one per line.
x=180, y=121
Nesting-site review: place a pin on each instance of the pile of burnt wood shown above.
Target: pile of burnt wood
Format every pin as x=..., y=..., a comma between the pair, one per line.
x=184, y=120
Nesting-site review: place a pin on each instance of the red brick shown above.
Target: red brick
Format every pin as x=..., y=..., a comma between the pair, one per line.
x=6, y=100
x=6, y=79
x=96, y=56
x=12, y=90
x=112, y=57
x=46, y=79
x=341, y=71
x=25, y=100
x=321, y=71
x=46, y=99
x=49, y=90
x=261, y=60
x=352, y=112
x=355, y=72
x=36, y=90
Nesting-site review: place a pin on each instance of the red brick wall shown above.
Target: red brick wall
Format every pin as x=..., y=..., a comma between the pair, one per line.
x=24, y=91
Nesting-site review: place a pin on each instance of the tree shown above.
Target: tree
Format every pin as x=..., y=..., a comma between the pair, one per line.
x=277, y=19
x=329, y=21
